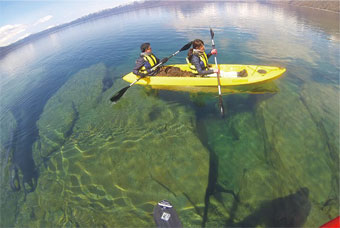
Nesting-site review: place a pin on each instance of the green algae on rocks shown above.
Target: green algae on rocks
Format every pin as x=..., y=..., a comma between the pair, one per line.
x=109, y=165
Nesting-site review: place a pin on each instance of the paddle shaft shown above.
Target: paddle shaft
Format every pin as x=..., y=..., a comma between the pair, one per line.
x=161, y=63
x=218, y=76
x=121, y=92
x=218, y=73
x=155, y=67
x=135, y=81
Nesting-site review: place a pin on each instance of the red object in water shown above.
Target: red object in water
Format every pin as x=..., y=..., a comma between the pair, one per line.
x=335, y=223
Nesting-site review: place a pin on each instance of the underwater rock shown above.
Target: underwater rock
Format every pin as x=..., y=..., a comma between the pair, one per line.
x=240, y=149
x=324, y=111
x=7, y=128
x=61, y=112
x=8, y=199
x=298, y=144
x=269, y=151
x=109, y=165
x=237, y=147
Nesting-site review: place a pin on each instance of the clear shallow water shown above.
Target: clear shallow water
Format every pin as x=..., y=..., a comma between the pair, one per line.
x=274, y=160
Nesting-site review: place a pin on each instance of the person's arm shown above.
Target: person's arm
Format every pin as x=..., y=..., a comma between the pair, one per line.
x=212, y=52
x=196, y=62
x=140, y=62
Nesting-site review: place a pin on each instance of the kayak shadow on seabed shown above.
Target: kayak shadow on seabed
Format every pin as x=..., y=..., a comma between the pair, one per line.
x=288, y=211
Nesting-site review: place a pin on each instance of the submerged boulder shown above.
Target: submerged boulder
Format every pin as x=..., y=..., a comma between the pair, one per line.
x=8, y=198
x=242, y=175
x=108, y=165
x=282, y=145
x=300, y=134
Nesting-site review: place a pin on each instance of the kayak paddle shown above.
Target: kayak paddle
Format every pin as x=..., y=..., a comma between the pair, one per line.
x=121, y=92
x=220, y=103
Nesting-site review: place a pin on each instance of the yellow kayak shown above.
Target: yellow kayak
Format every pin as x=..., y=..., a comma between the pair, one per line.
x=263, y=88
x=255, y=74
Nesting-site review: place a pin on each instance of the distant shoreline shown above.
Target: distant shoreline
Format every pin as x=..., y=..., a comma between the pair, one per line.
x=329, y=6
x=94, y=16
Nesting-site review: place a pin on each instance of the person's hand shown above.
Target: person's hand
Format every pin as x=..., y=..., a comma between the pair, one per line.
x=143, y=75
x=213, y=52
x=216, y=70
x=165, y=60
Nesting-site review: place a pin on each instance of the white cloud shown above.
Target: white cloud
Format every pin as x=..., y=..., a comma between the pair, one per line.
x=43, y=20
x=10, y=33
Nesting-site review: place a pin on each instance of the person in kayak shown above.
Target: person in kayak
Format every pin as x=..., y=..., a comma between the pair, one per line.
x=146, y=61
x=198, y=60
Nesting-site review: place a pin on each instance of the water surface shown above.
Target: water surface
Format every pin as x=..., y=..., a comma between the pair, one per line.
x=81, y=161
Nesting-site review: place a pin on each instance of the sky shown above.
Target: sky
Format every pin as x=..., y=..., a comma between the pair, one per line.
x=19, y=19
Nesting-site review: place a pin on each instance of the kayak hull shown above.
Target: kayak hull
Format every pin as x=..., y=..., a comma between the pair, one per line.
x=256, y=74
x=263, y=88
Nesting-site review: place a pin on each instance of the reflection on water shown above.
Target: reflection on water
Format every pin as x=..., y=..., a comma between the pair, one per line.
x=328, y=22
x=10, y=64
x=273, y=161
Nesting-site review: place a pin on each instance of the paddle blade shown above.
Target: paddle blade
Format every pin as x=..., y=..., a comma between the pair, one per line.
x=186, y=47
x=119, y=94
x=220, y=104
x=212, y=33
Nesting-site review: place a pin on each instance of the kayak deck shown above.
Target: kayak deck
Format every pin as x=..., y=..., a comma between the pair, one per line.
x=256, y=74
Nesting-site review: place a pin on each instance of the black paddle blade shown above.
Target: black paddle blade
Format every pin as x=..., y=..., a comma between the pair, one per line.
x=212, y=33
x=119, y=94
x=186, y=47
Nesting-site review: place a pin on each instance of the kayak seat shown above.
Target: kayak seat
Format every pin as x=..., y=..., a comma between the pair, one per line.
x=262, y=71
x=242, y=73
